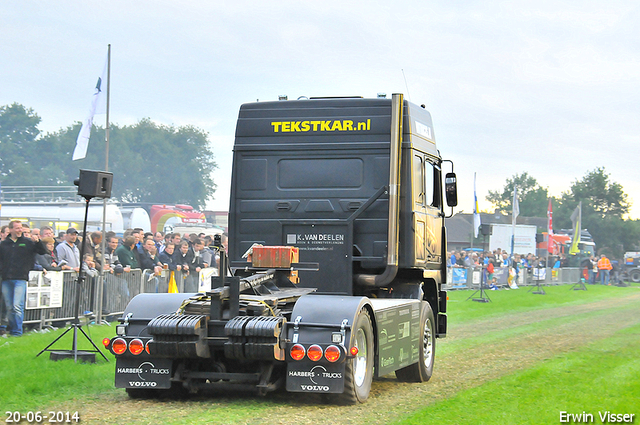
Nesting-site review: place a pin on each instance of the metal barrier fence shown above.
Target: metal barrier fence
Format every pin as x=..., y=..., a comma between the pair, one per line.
x=118, y=290
x=470, y=278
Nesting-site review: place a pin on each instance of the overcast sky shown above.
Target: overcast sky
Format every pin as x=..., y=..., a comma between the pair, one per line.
x=547, y=87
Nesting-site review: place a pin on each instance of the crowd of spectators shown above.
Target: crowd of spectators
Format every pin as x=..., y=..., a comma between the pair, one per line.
x=600, y=266
x=501, y=258
x=23, y=249
x=173, y=251
x=601, y=269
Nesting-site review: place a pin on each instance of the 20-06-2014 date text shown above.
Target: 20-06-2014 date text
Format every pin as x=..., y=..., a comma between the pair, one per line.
x=38, y=417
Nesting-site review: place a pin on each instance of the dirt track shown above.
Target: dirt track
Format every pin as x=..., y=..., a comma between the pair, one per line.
x=514, y=344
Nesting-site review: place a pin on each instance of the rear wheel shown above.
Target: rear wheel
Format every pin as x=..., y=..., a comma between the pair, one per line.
x=423, y=369
x=359, y=370
x=634, y=275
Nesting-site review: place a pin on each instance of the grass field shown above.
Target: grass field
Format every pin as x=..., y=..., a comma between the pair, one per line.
x=520, y=359
x=601, y=377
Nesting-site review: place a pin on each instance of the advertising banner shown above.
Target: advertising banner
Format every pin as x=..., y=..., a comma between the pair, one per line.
x=44, y=290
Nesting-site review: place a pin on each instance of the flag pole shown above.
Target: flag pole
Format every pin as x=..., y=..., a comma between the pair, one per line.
x=106, y=164
x=549, y=231
x=476, y=213
x=104, y=201
x=515, y=211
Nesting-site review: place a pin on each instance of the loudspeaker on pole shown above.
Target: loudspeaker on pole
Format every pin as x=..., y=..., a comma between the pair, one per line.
x=94, y=184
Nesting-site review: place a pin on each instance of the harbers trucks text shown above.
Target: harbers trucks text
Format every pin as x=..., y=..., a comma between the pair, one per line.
x=336, y=261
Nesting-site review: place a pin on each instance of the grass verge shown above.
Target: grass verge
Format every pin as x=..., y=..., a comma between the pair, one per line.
x=462, y=309
x=599, y=378
x=37, y=382
x=489, y=356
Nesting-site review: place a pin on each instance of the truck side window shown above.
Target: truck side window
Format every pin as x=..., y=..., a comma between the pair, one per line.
x=429, y=183
x=418, y=180
x=437, y=186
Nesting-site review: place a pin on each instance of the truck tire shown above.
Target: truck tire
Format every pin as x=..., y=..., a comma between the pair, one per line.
x=423, y=369
x=634, y=275
x=359, y=370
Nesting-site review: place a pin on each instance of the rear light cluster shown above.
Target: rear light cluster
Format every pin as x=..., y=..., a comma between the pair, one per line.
x=120, y=346
x=332, y=353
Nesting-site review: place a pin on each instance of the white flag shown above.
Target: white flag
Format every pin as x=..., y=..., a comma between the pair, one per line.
x=98, y=106
x=476, y=213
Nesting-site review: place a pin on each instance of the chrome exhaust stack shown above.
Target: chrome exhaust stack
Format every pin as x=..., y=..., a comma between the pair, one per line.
x=395, y=159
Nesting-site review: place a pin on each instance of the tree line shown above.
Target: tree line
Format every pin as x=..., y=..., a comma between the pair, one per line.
x=150, y=162
x=604, y=205
x=165, y=164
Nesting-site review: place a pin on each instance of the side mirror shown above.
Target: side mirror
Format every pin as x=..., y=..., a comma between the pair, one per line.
x=451, y=189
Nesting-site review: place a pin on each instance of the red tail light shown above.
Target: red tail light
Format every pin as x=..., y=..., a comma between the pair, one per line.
x=106, y=342
x=136, y=347
x=332, y=353
x=314, y=353
x=354, y=351
x=119, y=346
x=297, y=352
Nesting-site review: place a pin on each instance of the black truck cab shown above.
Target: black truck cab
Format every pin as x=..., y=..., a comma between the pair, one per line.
x=335, y=266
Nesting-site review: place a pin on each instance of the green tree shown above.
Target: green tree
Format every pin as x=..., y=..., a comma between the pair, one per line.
x=604, y=197
x=532, y=198
x=21, y=148
x=604, y=204
x=150, y=162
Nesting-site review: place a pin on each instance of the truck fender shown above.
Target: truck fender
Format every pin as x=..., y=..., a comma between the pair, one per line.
x=149, y=306
x=329, y=310
x=324, y=320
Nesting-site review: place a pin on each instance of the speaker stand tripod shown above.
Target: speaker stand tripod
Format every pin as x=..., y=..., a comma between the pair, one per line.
x=82, y=355
x=538, y=289
x=483, y=296
x=579, y=286
x=485, y=230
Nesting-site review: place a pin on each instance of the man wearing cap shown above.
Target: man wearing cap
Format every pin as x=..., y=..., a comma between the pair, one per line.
x=68, y=251
x=17, y=256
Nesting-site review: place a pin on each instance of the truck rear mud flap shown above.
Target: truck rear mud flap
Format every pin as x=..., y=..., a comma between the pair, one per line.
x=315, y=378
x=143, y=373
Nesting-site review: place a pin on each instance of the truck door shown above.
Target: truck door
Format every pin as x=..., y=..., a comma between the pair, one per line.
x=427, y=217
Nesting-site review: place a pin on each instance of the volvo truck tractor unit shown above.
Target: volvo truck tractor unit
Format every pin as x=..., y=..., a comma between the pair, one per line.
x=337, y=256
